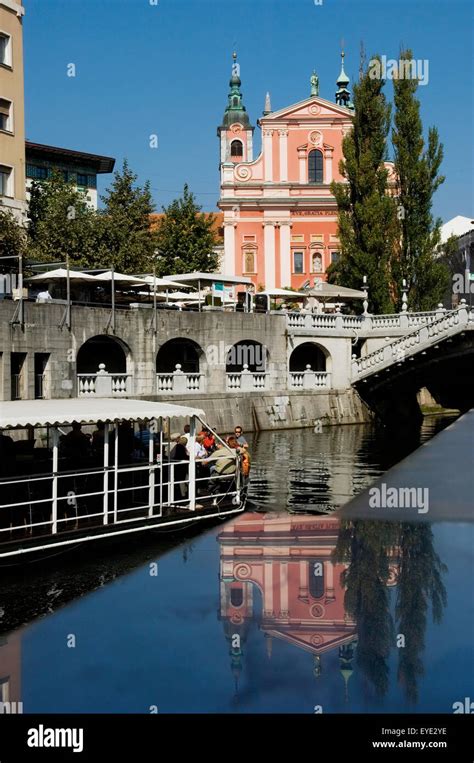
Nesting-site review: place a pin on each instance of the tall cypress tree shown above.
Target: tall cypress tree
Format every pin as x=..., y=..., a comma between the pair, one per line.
x=418, y=177
x=366, y=212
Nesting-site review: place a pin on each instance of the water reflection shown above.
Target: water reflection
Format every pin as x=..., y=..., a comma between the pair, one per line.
x=325, y=585
x=308, y=610
x=321, y=471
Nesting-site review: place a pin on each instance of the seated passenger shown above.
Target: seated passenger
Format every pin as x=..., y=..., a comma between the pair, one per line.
x=76, y=443
x=239, y=436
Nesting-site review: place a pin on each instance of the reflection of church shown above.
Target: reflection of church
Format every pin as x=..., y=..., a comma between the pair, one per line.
x=288, y=558
x=10, y=669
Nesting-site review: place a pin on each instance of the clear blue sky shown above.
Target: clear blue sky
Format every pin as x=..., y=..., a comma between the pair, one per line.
x=143, y=69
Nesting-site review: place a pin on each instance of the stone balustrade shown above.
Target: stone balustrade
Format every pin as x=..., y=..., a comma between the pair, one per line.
x=178, y=382
x=104, y=384
x=428, y=334
x=309, y=379
x=365, y=325
x=246, y=380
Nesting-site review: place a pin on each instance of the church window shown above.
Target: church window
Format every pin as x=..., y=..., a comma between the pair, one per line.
x=236, y=597
x=236, y=149
x=316, y=579
x=315, y=167
x=298, y=262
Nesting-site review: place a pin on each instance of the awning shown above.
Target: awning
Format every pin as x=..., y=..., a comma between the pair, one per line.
x=21, y=413
x=60, y=274
x=120, y=278
x=162, y=283
x=323, y=290
x=194, y=278
x=283, y=293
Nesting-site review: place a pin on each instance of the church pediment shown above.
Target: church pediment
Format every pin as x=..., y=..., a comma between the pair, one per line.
x=310, y=108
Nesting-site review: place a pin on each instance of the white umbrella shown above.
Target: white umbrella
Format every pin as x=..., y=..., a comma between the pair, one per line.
x=281, y=293
x=322, y=289
x=162, y=283
x=120, y=278
x=61, y=273
x=181, y=295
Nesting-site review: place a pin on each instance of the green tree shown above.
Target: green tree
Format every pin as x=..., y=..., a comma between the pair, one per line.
x=12, y=242
x=186, y=238
x=366, y=212
x=417, y=170
x=419, y=584
x=127, y=241
x=61, y=223
x=365, y=548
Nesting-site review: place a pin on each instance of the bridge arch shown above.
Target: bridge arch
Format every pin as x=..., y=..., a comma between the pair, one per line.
x=112, y=351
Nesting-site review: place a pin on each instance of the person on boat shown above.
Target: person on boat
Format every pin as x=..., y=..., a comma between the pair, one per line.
x=143, y=438
x=126, y=442
x=76, y=443
x=186, y=432
x=209, y=441
x=98, y=437
x=199, y=449
x=180, y=453
x=222, y=460
x=239, y=436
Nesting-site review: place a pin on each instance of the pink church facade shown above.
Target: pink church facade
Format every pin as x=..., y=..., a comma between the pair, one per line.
x=280, y=218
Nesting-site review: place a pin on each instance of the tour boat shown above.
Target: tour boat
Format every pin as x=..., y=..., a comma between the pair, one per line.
x=62, y=484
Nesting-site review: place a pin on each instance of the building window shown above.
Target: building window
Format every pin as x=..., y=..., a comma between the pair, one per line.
x=315, y=167
x=334, y=257
x=6, y=109
x=236, y=149
x=298, y=262
x=316, y=579
x=81, y=180
x=249, y=261
x=5, y=49
x=317, y=262
x=6, y=181
x=36, y=173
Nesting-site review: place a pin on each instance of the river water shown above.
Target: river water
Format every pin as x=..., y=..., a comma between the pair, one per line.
x=283, y=609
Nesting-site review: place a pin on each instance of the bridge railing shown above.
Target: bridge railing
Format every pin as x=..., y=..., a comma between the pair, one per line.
x=360, y=323
x=409, y=344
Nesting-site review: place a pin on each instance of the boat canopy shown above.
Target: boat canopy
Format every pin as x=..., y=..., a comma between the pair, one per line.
x=39, y=413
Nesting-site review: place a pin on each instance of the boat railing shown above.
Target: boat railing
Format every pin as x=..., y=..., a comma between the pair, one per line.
x=164, y=486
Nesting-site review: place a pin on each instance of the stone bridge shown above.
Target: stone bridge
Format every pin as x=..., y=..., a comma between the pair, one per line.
x=270, y=370
x=438, y=355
